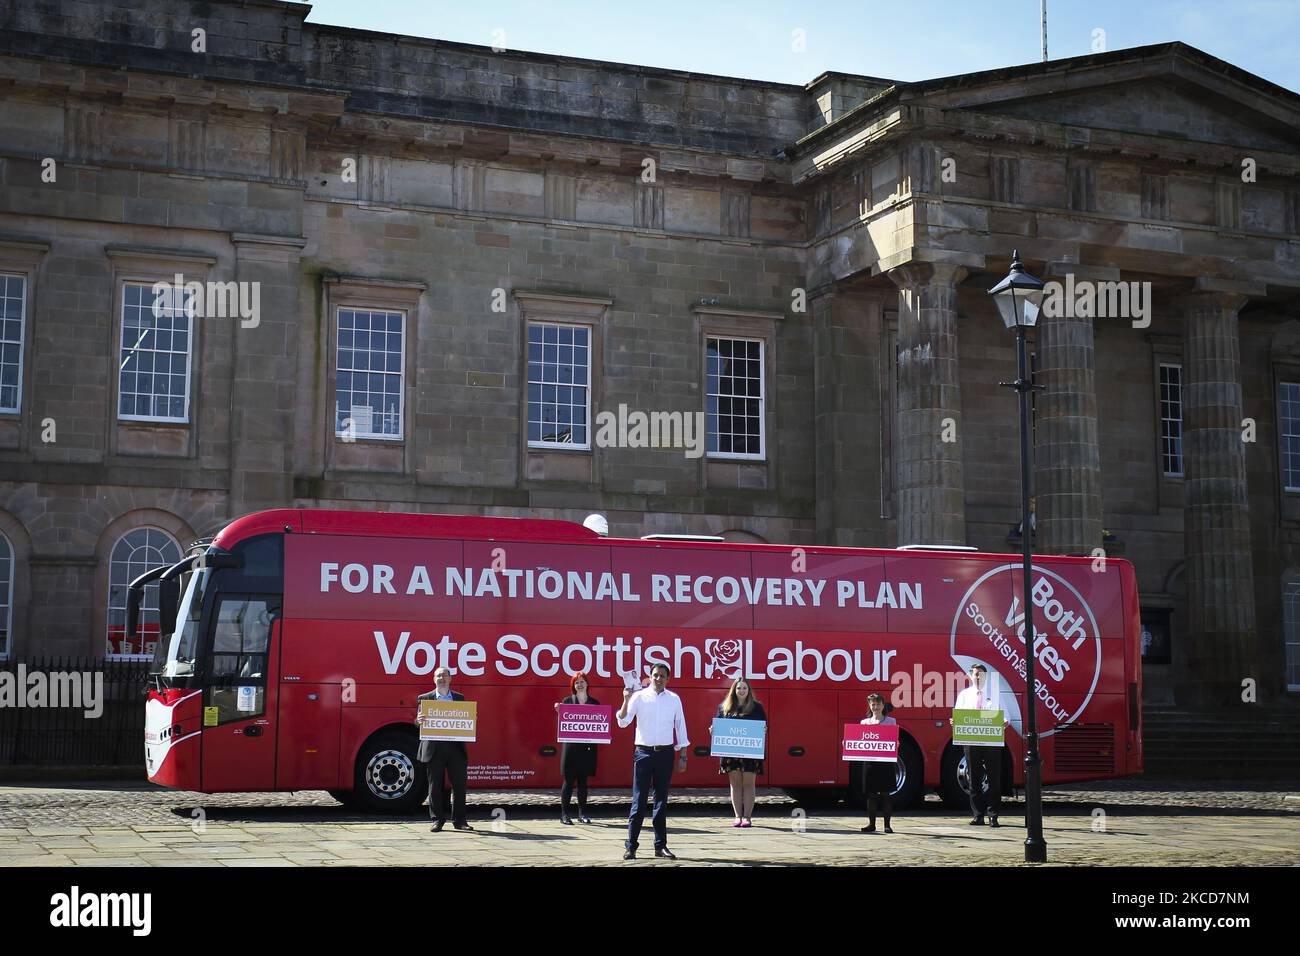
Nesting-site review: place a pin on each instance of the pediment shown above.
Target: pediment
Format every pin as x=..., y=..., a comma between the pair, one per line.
x=1156, y=107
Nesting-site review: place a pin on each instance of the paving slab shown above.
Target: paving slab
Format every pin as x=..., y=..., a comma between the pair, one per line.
x=1165, y=825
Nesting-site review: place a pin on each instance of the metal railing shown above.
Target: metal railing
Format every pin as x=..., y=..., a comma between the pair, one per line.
x=33, y=732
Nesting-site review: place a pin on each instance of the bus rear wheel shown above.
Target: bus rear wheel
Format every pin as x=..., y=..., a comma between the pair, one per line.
x=954, y=778
x=908, y=788
x=388, y=778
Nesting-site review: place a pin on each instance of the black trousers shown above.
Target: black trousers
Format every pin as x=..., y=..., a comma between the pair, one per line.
x=985, y=763
x=566, y=793
x=650, y=768
x=451, y=760
x=880, y=779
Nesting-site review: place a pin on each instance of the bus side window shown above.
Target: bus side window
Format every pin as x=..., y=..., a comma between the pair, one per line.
x=237, y=669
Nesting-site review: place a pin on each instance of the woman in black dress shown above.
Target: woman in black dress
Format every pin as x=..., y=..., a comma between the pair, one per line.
x=577, y=761
x=881, y=774
x=739, y=704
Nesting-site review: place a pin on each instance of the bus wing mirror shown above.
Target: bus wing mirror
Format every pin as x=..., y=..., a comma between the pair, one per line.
x=133, y=596
x=168, y=602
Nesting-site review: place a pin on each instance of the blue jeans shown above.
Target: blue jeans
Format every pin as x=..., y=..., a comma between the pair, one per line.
x=650, y=768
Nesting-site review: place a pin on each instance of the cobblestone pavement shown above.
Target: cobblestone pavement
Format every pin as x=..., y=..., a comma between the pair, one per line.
x=1130, y=822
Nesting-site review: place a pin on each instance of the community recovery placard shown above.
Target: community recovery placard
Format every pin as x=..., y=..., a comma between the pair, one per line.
x=585, y=724
x=978, y=728
x=870, y=742
x=448, y=720
x=738, y=738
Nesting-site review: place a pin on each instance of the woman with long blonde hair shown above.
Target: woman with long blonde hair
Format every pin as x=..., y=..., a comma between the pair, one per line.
x=740, y=704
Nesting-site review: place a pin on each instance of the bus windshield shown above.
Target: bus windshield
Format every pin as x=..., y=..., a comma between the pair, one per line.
x=175, y=655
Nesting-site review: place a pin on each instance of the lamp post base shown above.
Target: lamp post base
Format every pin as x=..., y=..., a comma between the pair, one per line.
x=1035, y=850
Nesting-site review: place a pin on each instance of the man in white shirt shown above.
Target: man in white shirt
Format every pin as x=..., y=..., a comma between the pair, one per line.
x=660, y=729
x=982, y=763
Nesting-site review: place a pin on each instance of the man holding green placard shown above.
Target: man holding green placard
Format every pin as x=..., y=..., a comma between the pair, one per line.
x=983, y=761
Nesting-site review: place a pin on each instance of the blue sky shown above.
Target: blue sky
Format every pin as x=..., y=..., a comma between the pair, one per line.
x=756, y=38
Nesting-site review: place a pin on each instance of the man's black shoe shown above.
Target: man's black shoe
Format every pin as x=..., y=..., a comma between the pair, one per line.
x=666, y=853
x=629, y=854
x=564, y=818
x=462, y=826
x=437, y=826
x=993, y=822
x=977, y=822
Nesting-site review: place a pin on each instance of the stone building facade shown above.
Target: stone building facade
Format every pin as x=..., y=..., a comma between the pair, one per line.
x=807, y=264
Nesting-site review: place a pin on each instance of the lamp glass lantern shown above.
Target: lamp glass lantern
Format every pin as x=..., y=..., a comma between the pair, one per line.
x=1019, y=296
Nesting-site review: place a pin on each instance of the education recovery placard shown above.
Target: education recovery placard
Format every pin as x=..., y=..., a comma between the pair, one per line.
x=455, y=720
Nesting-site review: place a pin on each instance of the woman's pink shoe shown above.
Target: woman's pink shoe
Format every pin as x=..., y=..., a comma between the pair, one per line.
x=738, y=824
x=747, y=823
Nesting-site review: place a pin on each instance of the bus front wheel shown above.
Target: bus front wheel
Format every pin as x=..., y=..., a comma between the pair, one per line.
x=388, y=778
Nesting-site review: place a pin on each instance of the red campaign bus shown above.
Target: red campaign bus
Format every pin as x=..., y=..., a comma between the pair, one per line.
x=298, y=641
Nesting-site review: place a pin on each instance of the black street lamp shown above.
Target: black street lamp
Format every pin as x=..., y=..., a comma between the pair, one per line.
x=1019, y=297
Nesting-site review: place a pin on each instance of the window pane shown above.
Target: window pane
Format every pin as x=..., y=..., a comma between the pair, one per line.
x=13, y=293
x=733, y=401
x=153, y=343
x=6, y=593
x=370, y=371
x=1289, y=428
x=1171, y=419
x=136, y=551
x=558, y=379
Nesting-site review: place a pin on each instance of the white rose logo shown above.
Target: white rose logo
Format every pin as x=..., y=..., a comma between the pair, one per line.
x=725, y=657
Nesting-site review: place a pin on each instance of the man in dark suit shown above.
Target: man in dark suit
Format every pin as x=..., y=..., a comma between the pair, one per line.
x=444, y=756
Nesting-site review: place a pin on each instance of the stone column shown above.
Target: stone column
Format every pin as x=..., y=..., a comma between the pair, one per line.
x=264, y=380
x=1221, y=636
x=1067, y=474
x=931, y=494
x=846, y=335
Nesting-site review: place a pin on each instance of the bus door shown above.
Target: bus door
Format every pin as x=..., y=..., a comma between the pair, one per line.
x=803, y=739
x=239, y=694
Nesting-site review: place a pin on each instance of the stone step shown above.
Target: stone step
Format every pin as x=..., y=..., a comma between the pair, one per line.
x=1190, y=758
x=1221, y=741
x=1289, y=734
x=1218, y=744
x=1179, y=740
x=1279, y=722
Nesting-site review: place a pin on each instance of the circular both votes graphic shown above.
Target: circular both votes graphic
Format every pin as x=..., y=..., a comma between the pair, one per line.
x=989, y=627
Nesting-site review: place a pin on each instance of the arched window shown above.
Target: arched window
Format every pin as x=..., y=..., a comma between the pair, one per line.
x=1291, y=627
x=135, y=553
x=6, y=596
